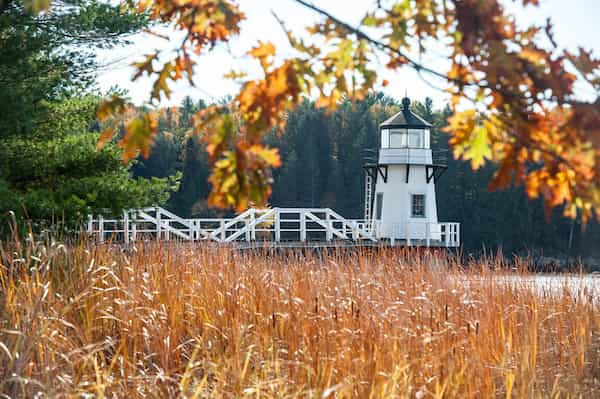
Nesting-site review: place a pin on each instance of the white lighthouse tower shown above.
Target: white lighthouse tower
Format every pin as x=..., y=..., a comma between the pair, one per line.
x=400, y=186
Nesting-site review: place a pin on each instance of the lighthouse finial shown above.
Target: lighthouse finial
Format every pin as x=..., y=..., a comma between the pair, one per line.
x=406, y=102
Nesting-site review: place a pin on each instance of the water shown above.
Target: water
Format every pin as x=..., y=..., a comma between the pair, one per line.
x=585, y=286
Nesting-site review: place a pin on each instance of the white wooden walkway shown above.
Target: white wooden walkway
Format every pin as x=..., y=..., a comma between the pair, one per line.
x=277, y=224
x=273, y=226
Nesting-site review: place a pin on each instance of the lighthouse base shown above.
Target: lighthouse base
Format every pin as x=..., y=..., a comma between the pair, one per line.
x=420, y=233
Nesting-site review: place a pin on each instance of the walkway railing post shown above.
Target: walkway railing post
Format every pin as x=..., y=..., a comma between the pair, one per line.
x=126, y=226
x=302, y=226
x=158, y=224
x=447, y=233
x=408, y=234
x=457, y=234
x=90, y=225
x=443, y=233
x=328, y=223
x=427, y=234
x=253, y=228
x=101, y=228
x=277, y=225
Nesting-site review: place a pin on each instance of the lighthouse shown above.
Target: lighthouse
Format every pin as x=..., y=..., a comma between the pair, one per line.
x=400, y=196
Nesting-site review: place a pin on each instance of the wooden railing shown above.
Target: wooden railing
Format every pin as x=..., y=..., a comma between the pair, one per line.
x=426, y=234
x=277, y=224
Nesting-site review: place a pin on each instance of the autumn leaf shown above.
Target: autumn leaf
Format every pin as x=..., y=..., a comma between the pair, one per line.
x=37, y=6
x=242, y=176
x=139, y=136
x=184, y=64
x=268, y=156
x=106, y=135
x=235, y=75
x=144, y=66
x=533, y=55
x=161, y=85
x=585, y=61
x=264, y=52
x=478, y=149
x=108, y=113
x=109, y=108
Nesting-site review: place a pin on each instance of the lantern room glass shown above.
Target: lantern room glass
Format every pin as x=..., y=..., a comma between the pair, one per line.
x=397, y=138
x=404, y=138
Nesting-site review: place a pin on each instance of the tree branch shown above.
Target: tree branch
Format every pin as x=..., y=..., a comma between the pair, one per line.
x=382, y=46
x=411, y=62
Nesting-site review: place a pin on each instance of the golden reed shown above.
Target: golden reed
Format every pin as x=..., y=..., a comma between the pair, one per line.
x=182, y=320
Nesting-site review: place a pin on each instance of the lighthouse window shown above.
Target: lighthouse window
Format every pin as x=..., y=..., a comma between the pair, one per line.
x=385, y=138
x=398, y=138
x=418, y=205
x=378, y=205
x=415, y=138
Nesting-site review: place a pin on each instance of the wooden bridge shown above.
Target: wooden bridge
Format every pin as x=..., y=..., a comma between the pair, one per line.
x=275, y=227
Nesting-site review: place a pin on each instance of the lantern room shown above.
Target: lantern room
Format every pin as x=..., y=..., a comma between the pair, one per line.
x=405, y=138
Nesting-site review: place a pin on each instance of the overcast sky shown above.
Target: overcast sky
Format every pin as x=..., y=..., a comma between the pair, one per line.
x=576, y=22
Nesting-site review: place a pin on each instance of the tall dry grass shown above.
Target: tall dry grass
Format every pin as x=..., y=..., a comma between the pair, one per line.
x=180, y=320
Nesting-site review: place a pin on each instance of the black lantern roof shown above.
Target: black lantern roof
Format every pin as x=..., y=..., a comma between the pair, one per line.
x=405, y=118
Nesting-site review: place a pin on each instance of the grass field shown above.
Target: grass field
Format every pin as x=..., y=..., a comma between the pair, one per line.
x=177, y=320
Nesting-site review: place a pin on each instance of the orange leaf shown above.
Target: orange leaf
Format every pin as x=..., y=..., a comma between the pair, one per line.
x=108, y=108
x=264, y=52
x=139, y=136
x=105, y=136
